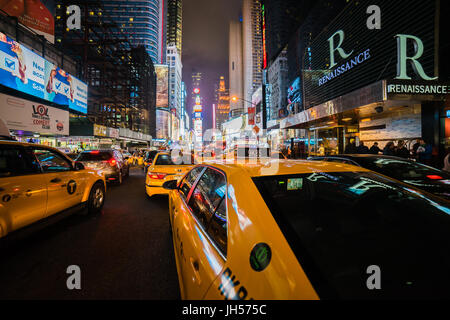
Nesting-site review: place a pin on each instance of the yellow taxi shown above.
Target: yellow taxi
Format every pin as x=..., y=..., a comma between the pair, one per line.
x=39, y=182
x=288, y=229
x=165, y=167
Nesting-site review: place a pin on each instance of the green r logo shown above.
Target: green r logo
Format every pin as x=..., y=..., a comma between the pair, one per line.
x=260, y=257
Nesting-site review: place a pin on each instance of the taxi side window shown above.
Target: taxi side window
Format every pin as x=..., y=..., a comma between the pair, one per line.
x=51, y=161
x=14, y=161
x=189, y=180
x=218, y=226
x=208, y=205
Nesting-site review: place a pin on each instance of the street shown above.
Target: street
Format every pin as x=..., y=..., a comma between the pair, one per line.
x=124, y=253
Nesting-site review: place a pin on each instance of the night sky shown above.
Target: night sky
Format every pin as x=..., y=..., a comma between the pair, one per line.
x=205, y=46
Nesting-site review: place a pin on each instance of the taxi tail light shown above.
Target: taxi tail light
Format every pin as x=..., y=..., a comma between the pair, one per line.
x=157, y=175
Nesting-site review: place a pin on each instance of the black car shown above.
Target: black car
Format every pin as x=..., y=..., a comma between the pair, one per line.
x=111, y=163
x=410, y=172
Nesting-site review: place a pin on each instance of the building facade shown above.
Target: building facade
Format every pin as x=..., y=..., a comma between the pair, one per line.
x=252, y=48
x=235, y=69
x=370, y=90
x=222, y=105
x=175, y=88
x=278, y=78
x=175, y=23
x=139, y=21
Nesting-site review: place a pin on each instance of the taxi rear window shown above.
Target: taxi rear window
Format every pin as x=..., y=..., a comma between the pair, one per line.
x=340, y=224
x=168, y=160
x=95, y=156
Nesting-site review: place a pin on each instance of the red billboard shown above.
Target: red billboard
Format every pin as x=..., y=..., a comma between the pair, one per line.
x=34, y=14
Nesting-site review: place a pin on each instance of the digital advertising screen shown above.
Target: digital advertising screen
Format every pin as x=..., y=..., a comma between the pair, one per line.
x=162, y=86
x=23, y=70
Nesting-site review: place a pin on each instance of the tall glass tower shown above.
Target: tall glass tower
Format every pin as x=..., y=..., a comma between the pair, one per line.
x=142, y=22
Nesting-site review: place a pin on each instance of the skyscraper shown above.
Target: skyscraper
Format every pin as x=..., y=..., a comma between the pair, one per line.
x=235, y=68
x=222, y=105
x=141, y=21
x=175, y=23
x=282, y=19
x=252, y=48
x=175, y=87
x=197, y=107
x=196, y=84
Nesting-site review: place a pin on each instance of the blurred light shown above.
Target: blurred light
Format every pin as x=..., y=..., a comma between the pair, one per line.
x=196, y=90
x=366, y=120
x=347, y=119
x=434, y=177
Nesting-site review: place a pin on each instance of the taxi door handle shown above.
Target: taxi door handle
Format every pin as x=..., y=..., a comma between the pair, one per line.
x=56, y=180
x=196, y=267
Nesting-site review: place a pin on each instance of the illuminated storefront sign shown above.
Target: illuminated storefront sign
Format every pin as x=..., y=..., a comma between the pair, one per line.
x=435, y=89
x=100, y=130
x=23, y=70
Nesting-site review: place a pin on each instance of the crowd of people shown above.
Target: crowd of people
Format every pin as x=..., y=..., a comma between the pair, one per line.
x=421, y=150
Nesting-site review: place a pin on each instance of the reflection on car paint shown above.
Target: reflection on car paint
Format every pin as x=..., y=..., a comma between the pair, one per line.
x=434, y=204
x=215, y=265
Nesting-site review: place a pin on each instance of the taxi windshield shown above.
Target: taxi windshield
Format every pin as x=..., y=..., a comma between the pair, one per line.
x=340, y=224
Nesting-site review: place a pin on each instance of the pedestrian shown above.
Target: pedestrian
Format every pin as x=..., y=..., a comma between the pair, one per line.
x=389, y=149
x=289, y=152
x=447, y=161
x=375, y=149
x=321, y=151
x=362, y=149
x=401, y=150
x=415, y=147
x=351, y=147
x=424, y=152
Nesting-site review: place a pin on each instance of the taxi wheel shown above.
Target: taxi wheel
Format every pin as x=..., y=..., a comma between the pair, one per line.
x=96, y=198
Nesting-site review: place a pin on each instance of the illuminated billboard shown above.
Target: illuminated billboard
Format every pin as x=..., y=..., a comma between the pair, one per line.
x=34, y=14
x=163, y=118
x=23, y=70
x=162, y=86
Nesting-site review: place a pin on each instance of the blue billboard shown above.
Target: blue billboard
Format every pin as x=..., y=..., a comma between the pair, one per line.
x=23, y=70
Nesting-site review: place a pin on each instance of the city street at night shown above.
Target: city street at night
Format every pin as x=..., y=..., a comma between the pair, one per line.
x=215, y=157
x=125, y=252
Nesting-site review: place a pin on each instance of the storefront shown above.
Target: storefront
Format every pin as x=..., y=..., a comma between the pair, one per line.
x=85, y=135
x=34, y=122
x=374, y=85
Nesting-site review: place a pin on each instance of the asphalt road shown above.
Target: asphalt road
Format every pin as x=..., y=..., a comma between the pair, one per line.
x=124, y=253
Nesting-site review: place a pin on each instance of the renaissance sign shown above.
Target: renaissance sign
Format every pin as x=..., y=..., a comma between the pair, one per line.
x=348, y=55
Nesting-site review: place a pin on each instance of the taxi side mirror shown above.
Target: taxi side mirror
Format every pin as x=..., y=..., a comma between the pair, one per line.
x=79, y=166
x=170, y=185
